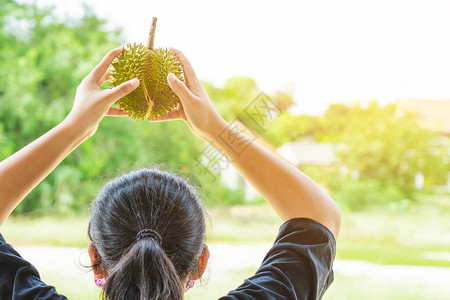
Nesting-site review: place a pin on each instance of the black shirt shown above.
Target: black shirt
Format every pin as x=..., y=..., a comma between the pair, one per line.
x=298, y=266
x=19, y=280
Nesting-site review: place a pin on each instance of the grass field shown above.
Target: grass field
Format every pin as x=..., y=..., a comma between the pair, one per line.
x=417, y=236
x=385, y=236
x=343, y=288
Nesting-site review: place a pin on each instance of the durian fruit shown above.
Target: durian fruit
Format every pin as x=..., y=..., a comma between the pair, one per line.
x=153, y=97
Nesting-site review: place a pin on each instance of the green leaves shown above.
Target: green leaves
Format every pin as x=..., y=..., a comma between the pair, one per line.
x=385, y=146
x=41, y=65
x=42, y=61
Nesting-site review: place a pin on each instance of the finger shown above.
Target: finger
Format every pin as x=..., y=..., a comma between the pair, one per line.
x=189, y=73
x=101, y=68
x=113, y=111
x=173, y=115
x=179, y=88
x=122, y=90
x=104, y=78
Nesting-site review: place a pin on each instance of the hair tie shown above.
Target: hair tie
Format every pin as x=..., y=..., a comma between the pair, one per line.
x=149, y=233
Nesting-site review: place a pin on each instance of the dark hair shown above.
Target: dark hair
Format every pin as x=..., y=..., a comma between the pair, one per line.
x=143, y=268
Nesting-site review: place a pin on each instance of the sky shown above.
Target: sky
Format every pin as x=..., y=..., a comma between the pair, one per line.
x=321, y=51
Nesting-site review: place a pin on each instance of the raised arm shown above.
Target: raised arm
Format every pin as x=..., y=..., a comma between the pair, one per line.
x=289, y=191
x=25, y=169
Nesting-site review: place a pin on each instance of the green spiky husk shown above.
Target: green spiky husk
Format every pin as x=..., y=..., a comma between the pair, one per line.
x=153, y=97
x=163, y=62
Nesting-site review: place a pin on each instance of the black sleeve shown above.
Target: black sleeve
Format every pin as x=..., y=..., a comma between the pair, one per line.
x=19, y=280
x=298, y=266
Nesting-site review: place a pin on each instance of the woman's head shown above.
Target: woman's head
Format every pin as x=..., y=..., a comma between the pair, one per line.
x=142, y=267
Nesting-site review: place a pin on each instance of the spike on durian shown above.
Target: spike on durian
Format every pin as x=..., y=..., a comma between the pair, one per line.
x=153, y=97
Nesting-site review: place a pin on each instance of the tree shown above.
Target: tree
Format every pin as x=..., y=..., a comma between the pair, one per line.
x=385, y=146
x=284, y=100
x=382, y=144
x=289, y=128
x=42, y=61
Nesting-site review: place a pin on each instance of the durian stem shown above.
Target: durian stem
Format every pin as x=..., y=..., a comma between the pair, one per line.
x=151, y=36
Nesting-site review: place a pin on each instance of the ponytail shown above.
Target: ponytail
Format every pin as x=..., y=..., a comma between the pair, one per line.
x=145, y=272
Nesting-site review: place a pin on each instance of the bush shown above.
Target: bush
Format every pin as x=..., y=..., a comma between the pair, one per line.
x=361, y=195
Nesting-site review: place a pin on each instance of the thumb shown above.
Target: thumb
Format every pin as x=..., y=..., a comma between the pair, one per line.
x=179, y=88
x=123, y=89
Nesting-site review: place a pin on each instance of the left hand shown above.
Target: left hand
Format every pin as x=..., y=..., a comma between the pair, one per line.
x=91, y=103
x=195, y=107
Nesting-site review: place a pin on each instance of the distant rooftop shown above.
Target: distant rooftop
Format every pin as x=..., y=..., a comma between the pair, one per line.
x=433, y=114
x=308, y=153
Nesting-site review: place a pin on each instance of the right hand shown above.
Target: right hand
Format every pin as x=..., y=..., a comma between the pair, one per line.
x=196, y=109
x=92, y=103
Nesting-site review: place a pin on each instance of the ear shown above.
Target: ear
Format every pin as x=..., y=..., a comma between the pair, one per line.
x=95, y=259
x=202, y=263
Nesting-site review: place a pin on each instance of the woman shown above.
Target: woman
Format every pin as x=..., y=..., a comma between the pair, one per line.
x=147, y=228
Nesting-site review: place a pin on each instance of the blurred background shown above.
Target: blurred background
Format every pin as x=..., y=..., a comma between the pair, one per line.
x=359, y=97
